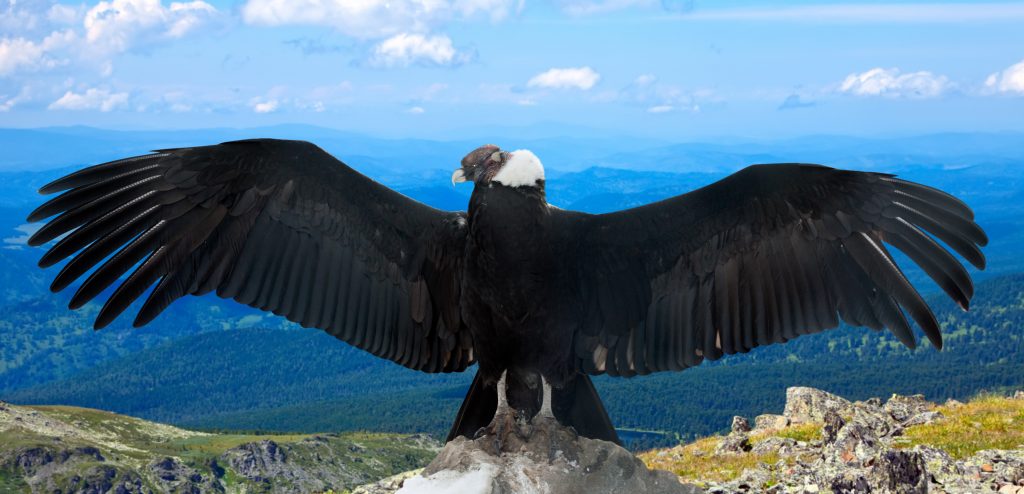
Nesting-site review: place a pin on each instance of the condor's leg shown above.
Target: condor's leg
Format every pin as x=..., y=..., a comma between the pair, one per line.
x=545, y=412
x=504, y=420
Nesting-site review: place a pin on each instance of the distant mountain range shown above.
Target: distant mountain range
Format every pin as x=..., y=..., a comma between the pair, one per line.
x=215, y=364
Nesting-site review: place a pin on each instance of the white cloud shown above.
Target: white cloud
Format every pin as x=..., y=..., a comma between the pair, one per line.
x=43, y=35
x=25, y=232
x=116, y=25
x=24, y=54
x=658, y=97
x=592, y=7
x=893, y=83
x=568, y=78
x=7, y=103
x=934, y=12
x=1010, y=80
x=416, y=110
x=402, y=50
x=91, y=99
x=374, y=18
x=267, y=106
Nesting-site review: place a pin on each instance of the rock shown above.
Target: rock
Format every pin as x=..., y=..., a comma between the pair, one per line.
x=781, y=445
x=902, y=408
x=740, y=424
x=173, y=476
x=258, y=461
x=849, y=482
x=899, y=472
x=733, y=443
x=830, y=429
x=922, y=418
x=805, y=405
x=875, y=418
x=873, y=402
x=770, y=422
x=855, y=444
x=1018, y=395
x=552, y=459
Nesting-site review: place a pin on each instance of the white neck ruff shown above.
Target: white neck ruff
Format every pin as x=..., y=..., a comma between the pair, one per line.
x=523, y=168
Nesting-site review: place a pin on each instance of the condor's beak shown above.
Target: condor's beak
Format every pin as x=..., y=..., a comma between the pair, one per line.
x=458, y=176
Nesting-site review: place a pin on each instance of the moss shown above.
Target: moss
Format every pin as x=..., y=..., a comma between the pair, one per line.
x=986, y=422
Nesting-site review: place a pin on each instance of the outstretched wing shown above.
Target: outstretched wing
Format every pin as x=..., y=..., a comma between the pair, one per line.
x=278, y=225
x=763, y=256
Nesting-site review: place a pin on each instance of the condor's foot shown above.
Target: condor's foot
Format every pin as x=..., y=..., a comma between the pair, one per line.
x=545, y=427
x=506, y=421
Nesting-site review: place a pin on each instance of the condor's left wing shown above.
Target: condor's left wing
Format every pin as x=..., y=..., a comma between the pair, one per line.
x=763, y=256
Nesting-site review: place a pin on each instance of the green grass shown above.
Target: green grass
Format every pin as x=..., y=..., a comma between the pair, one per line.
x=986, y=422
x=697, y=463
x=802, y=432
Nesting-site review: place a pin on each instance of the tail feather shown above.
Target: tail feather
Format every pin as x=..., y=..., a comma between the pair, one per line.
x=577, y=404
x=476, y=411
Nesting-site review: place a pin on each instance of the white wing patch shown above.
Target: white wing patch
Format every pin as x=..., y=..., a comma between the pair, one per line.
x=522, y=169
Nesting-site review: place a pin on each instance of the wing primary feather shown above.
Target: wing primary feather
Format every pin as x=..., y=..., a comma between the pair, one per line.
x=875, y=260
x=960, y=244
x=933, y=195
x=939, y=264
x=80, y=196
x=81, y=215
x=97, y=173
x=162, y=261
x=963, y=226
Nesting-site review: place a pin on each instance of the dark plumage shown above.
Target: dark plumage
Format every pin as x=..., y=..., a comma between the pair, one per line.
x=765, y=255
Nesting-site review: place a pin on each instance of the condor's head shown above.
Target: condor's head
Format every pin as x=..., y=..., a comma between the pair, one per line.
x=488, y=165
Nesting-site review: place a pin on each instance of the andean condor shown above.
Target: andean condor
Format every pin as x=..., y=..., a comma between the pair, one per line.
x=520, y=287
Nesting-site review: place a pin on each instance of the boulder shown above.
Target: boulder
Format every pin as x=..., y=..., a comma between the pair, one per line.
x=733, y=443
x=740, y=424
x=902, y=408
x=551, y=459
x=855, y=445
x=805, y=405
x=781, y=445
x=770, y=422
x=922, y=418
x=899, y=472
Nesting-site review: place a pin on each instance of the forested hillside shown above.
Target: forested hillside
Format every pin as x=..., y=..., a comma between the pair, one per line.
x=304, y=380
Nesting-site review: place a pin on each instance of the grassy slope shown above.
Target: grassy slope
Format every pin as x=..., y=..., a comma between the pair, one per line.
x=985, y=422
x=130, y=444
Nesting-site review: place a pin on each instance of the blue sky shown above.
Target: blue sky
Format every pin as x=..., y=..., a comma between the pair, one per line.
x=675, y=69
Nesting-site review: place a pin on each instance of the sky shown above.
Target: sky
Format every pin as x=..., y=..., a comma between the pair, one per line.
x=678, y=69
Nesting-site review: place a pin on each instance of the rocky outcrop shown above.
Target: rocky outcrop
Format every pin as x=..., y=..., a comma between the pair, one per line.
x=76, y=451
x=551, y=460
x=859, y=452
x=805, y=405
